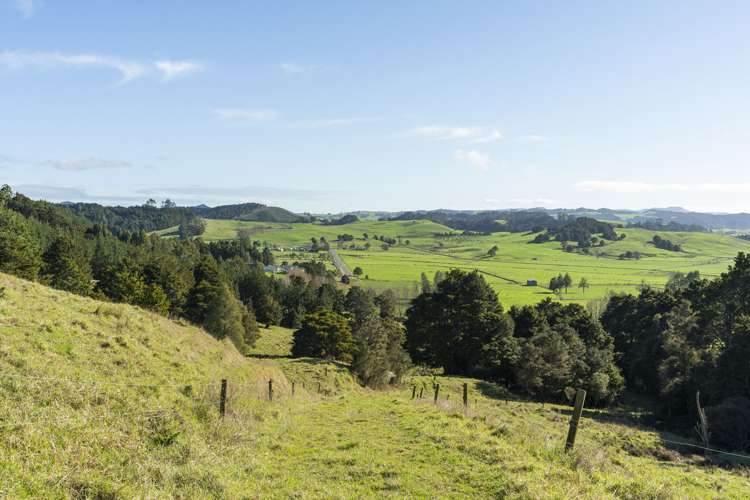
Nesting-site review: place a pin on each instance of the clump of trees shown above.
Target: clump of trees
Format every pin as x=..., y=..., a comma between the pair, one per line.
x=691, y=336
x=193, y=226
x=665, y=244
x=539, y=350
x=630, y=255
x=585, y=231
x=560, y=282
x=363, y=332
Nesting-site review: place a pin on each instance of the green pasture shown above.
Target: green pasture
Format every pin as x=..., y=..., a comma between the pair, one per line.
x=517, y=261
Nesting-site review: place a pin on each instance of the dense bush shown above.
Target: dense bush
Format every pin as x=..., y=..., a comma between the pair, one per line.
x=324, y=334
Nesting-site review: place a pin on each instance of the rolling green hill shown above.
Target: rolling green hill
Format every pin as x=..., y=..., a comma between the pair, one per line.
x=433, y=247
x=95, y=404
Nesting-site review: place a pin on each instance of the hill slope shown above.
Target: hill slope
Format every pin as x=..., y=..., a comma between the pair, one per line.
x=94, y=404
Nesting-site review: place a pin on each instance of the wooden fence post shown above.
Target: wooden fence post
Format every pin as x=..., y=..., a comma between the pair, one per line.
x=466, y=395
x=270, y=389
x=292, y=388
x=414, y=392
x=318, y=387
x=437, y=391
x=575, y=417
x=223, y=398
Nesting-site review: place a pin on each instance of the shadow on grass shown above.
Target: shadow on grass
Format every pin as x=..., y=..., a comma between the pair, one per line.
x=268, y=356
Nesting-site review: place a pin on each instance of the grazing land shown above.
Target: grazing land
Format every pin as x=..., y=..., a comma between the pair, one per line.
x=433, y=247
x=95, y=404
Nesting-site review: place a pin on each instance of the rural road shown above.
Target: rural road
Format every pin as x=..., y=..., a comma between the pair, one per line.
x=339, y=263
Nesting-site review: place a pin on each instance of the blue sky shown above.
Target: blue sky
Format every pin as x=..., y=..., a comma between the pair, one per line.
x=335, y=106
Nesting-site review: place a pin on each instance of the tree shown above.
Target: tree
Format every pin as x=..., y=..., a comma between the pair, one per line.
x=556, y=284
x=194, y=226
x=439, y=276
x=451, y=326
x=492, y=251
x=360, y=304
x=269, y=310
x=546, y=367
x=19, y=253
x=583, y=284
x=324, y=334
x=358, y=271
x=426, y=285
x=567, y=282
x=66, y=268
x=225, y=318
x=679, y=281
x=379, y=358
x=6, y=193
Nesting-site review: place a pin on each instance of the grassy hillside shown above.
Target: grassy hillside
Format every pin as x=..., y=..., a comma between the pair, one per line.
x=94, y=404
x=517, y=260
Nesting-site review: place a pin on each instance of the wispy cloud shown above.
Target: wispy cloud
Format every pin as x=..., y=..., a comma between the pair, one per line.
x=473, y=134
x=475, y=158
x=89, y=163
x=646, y=187
x=532, y=139
x=176, y=69
x=25, y=7
x=17, y=60
x=127, y=68
x=292, y=69
x=335, y=122
x=245, y=114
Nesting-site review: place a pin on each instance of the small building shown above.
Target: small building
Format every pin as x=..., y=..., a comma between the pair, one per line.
x=531, y=283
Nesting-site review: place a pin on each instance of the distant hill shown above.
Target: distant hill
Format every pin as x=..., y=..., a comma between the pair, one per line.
x=251, y=211
x=525, y=219
x=152, y=218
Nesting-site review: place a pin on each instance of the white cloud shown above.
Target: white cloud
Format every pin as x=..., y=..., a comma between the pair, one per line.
x=645, y=187
x=128, y=69
x=88, y=163
x=474, y=158
x=25, y=7
x=176, y=69
x=44, y=60
x=291, y=69
x=474, y=134
x=244, y=114
x=335, y=122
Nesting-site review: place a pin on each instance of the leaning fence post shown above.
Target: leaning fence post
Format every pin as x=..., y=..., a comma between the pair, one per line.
x=270, y=389
x=577, y=410
x=414, y=392
x=421, y=391
x=292, y=388
x=466, y=395
x=437, y=391
x=223, y=398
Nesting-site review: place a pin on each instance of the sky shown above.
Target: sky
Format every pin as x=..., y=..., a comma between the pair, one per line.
x=384, y=105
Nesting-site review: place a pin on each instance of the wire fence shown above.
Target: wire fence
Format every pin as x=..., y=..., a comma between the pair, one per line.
x=221, y=394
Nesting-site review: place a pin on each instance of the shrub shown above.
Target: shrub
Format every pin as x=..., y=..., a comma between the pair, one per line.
x=324, y=334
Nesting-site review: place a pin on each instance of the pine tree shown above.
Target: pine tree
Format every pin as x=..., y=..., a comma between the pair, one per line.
x=19, y=254
x=67, y=268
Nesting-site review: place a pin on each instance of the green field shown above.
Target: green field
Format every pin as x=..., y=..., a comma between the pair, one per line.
x=102, y=400
x=516, y=261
